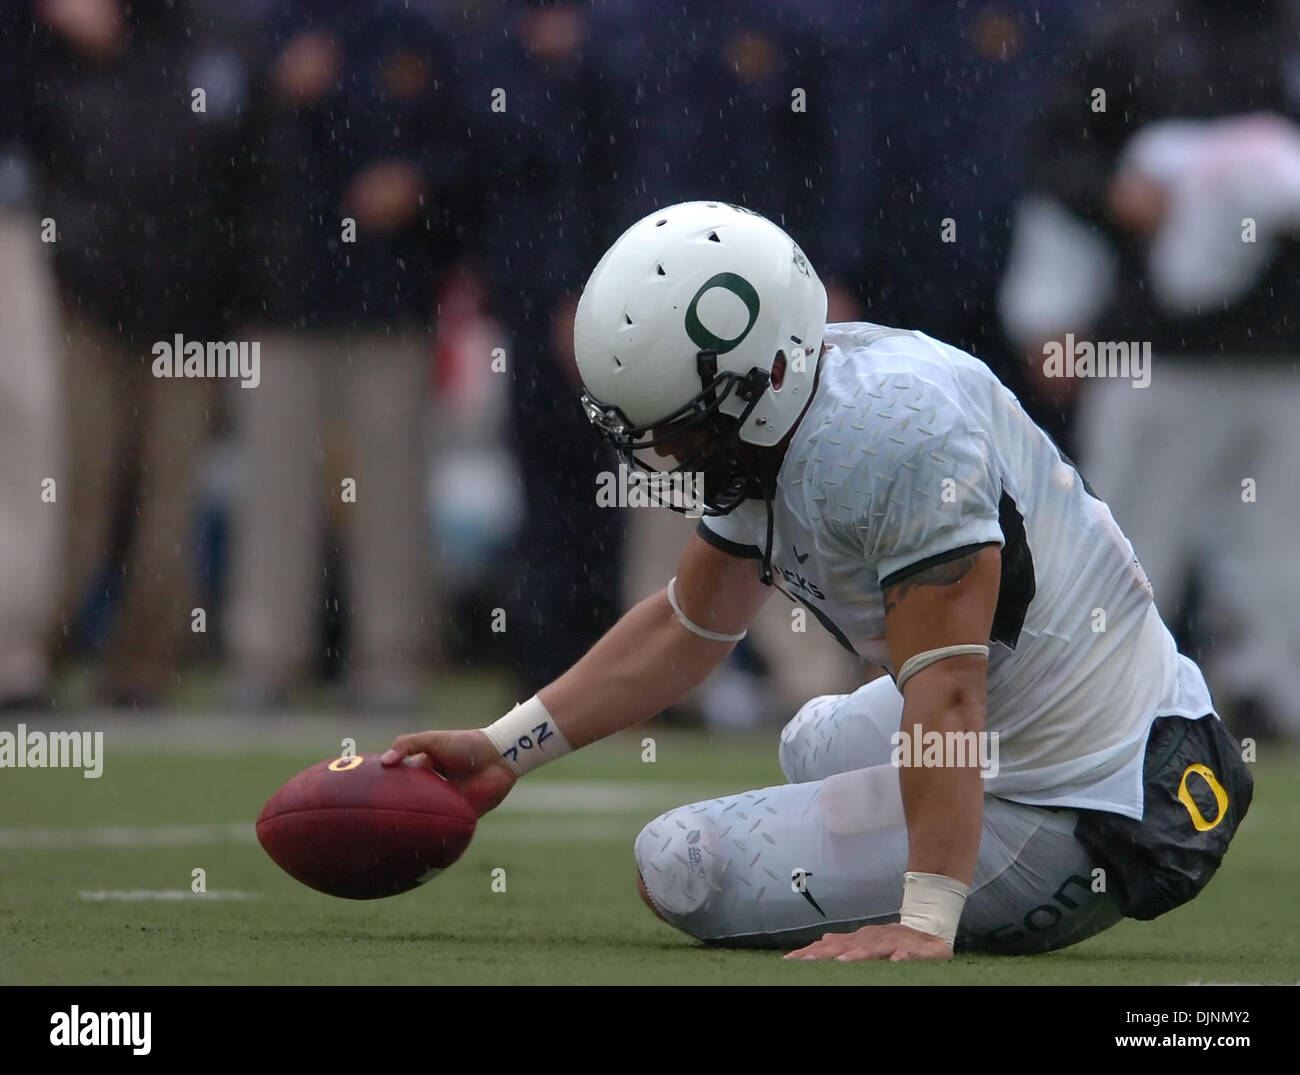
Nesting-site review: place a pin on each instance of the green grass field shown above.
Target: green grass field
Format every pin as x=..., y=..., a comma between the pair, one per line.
x=182, y=793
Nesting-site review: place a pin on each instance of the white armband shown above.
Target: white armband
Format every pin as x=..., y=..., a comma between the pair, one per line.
x=712, y=636
x=932, y=904
x=918, y=661
x=527, y=737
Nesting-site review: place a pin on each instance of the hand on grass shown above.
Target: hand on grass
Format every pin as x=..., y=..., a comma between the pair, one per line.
x=892, y=942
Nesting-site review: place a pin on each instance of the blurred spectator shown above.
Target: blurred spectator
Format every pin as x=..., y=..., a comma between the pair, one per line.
x=724, y=99
x=136, y=177
x=937, y=112
x=1199, y=466
x=534, y=243
x=734, y=101
x=473, y=496
x=351, y=218
x=31, y=424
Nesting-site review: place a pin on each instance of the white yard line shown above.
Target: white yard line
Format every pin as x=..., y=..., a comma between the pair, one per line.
x=141, y=895
x=595, y=796
x=125, y=836
x=571, y=811
x=560, y=831
x=318, y=732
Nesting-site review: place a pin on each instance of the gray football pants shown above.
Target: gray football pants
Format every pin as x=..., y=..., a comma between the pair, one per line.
x=725, y=870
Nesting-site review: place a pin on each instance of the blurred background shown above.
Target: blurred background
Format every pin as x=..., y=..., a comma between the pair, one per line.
x=398, y=202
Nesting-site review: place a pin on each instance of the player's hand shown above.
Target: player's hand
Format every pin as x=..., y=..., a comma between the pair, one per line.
x=467, y=759
x=892, y=942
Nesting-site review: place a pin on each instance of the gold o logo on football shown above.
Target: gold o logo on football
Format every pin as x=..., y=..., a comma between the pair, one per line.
x=345, y=764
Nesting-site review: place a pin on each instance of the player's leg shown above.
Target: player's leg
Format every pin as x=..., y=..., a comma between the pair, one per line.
x=278, y=518
x=1253, y=582
x=33, y=438
x=389, y=577
x=153, y=633
x=1147, y=462
x=780, y=866
x=98, y=400
x=836, y=733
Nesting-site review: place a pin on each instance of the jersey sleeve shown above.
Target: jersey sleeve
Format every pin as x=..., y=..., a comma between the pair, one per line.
x=932, y=493
x=737, y=533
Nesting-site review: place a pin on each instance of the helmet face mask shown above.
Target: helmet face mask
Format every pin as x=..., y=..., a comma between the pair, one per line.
x=727, y=480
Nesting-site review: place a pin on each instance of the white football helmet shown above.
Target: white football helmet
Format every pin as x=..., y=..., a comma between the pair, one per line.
x=701, y=315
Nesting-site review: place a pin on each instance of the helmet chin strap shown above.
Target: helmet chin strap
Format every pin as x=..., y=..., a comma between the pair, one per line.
x=769, y=484
x=765, y=569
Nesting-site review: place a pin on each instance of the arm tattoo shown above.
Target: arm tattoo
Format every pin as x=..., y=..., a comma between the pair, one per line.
x=944, y=574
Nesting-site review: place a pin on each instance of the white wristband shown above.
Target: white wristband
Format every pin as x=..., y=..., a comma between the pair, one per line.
x=527, y=737
x=932, y=904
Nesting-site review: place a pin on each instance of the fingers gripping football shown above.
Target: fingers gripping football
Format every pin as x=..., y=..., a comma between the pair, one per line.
x=467, y=759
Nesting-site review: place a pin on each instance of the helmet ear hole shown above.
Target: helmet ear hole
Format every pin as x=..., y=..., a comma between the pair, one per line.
x=778, y=371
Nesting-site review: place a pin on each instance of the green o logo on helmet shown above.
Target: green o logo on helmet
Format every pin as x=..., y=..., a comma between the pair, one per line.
x=701, y=336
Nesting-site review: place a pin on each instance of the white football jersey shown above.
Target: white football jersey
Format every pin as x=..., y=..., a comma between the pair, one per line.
x=912, y=452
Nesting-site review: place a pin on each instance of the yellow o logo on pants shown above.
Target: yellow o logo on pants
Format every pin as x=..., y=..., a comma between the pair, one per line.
x=1185, y=797
x=342, y=765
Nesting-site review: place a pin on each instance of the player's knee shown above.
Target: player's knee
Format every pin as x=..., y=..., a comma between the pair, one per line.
x=645, y=896
x=673, y=856
x=804, y=742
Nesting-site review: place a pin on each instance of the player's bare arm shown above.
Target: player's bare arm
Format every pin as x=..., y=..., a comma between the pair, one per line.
x=644, y=663
x=948, y=604
x=649, y=659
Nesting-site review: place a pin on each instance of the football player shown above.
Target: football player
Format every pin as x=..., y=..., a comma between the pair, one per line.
x=895, y=488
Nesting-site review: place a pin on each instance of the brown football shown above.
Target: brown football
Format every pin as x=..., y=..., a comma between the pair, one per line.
x=351, y=827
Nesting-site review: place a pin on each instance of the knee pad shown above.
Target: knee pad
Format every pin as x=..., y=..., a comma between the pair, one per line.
x=805, y=741
x=675, y=856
